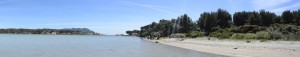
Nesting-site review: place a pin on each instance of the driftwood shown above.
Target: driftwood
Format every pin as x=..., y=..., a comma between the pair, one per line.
x=179, y=39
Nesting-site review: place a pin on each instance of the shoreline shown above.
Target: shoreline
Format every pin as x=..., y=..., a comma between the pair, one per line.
x=236, y=48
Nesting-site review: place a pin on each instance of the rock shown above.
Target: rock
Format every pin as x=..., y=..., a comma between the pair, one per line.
x=156, y=42
x=235, y=48
x=248, y=41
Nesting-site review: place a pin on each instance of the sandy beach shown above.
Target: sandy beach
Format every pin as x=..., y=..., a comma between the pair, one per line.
x=237, y=48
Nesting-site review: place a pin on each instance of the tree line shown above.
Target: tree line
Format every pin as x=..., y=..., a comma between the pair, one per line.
x=209, y=22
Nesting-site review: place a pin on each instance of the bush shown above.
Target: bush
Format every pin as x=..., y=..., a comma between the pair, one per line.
x=292, y=37
x=262, y=35
x=221, y=34
x=195, y=34
x=162, y=38
x=247, y=29
x=243, y=36
x=284, y=32
x=289, y=29
x=263, y=40
x=178, y=35
x=237, y=36
x=250, y=36
x=275, y=36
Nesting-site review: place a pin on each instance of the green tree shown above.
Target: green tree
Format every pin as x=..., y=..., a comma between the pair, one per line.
x=186, y=23
x=164, y=27
x=133, y=32
x=254, y=18
x=224, y=18
x=278, y=20
x=239, y=18
x=267, y=17
x=207, y=21
x=287, y=17
x=297, y=17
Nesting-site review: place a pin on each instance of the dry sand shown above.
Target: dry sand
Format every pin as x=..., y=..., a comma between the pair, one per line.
x=238, y=48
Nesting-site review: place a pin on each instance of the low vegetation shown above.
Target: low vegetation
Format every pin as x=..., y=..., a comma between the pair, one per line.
x=178, y=35
x=195, y=34
x=222, y=33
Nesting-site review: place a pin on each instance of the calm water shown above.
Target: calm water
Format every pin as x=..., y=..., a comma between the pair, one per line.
x=13, y=45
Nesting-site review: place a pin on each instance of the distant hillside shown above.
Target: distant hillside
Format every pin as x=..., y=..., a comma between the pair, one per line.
x=84, y=30
x=67, y=31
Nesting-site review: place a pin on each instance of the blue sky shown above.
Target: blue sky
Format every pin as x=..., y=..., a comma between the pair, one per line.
x=117, y=16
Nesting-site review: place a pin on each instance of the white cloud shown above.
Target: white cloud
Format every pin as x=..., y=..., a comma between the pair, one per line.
x=286, y=8
x=263, y=4
x=153, y=7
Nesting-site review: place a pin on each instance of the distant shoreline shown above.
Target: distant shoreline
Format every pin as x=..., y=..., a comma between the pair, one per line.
x=55, y=34
x=66, y=31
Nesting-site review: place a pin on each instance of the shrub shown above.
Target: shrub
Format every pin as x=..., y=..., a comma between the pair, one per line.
x=250, y=36
x=275, y=36
x=247, y=29
x=262, y=35
x=292, y=37
x=195, y=34
x=222, y=33
x=237, y=36
x=216, y=29
x=214, y=34
x=284, y=32
x=263, y=40
x=178, y=35
x=243, y=36
x=162, y=38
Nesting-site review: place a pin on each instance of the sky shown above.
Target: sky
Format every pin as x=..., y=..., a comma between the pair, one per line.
x=117, y=16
